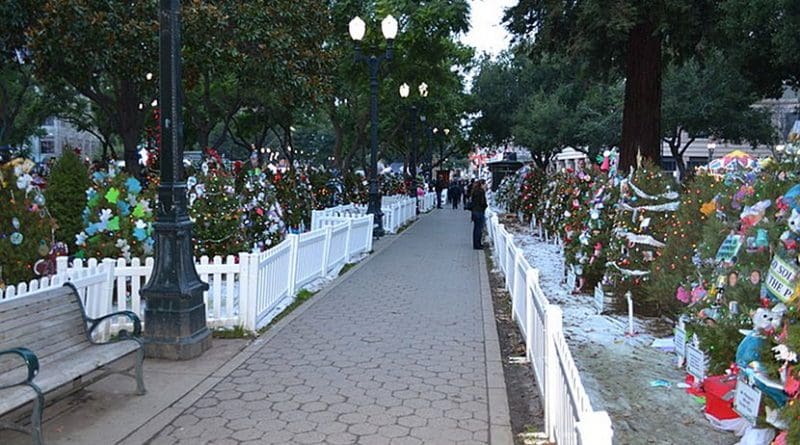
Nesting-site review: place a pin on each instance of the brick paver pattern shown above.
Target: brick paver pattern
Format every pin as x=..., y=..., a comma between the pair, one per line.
x=393, y=355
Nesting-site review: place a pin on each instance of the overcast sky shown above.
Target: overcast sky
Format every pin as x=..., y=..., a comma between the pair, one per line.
x=487, y=33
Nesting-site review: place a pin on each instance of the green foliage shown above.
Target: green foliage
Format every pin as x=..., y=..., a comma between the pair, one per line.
x=216, y=214
x=26, y=227
x=293, y=191
x=66, y=195
x=355, y=188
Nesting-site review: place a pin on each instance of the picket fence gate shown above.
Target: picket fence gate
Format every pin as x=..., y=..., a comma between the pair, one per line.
x=569, y=417
x=245, y=290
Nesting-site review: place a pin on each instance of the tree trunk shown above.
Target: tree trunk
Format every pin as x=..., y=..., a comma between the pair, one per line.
x=641, y=120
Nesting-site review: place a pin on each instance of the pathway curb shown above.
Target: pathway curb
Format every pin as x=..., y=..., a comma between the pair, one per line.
x=162, y=419
x=499, y=415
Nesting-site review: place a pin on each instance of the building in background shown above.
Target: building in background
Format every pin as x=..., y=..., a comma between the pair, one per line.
x=58, y=135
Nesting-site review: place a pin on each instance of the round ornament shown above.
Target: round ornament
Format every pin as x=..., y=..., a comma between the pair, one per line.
x=16, y=238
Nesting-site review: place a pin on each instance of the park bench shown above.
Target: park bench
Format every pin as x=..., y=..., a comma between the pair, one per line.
x=47, y=342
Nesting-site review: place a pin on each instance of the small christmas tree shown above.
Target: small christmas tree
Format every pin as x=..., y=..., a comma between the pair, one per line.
x=66, y=195
x=216, y=212
x=26, y=227
x=262, y=222
x=293, y=192
x=355, y=188
x=528, y=189
x=648, y=197
x=117, y=219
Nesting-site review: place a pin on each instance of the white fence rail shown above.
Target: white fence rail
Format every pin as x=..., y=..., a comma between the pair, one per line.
x=398, y=210
x=243, y=291
x=569, y=417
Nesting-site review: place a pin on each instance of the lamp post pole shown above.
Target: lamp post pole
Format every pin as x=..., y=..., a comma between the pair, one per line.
x=357, y=31
x=175, y=317
x=405, y=90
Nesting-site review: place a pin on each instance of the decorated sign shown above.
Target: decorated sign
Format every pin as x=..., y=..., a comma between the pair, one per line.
x=729, y=249
x=571, y=278
x=747, y=401
x=696, y=362
x=680, y=341
x=599, y=298
x=780, y=280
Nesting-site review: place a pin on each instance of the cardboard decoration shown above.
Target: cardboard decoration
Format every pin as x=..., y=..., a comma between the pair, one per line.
x=729, y=249
x=780, y=279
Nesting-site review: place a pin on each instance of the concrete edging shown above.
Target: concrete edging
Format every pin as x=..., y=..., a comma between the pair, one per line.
x=499, y=412
x=163, y=418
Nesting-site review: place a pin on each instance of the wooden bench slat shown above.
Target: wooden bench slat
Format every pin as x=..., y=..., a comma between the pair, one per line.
x=37, y=297
x=44, y=347
x=32, y=331
x=16, y=320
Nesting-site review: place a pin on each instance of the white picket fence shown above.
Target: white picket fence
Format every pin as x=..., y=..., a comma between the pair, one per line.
x=247, y=290
x=569, y=417
x=398, y=210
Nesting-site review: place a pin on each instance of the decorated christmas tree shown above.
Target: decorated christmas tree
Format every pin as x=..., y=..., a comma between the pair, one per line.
x=590, y=252
x=528, y=190
x=216, y=212
x=261, y=223
x=117, y=219
x=355, y=188
x=26, y=227
x=293, y=192
x=66, y=195
x=648, y=198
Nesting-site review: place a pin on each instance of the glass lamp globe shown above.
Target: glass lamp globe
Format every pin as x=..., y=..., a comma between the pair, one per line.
x=389, y=27
x=357, y=29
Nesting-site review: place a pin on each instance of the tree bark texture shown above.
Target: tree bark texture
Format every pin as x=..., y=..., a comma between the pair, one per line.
x=641, y=120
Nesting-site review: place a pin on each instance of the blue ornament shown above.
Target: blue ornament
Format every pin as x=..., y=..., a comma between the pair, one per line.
x=134, y=186
x=139, y=234
x=124, y=208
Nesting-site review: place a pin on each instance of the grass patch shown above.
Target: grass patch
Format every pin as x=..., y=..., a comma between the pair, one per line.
x=302, y=296
x=346, y=267
x=235, y=332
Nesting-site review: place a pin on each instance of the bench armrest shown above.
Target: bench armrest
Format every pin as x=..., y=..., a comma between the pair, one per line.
x=137, y=324
x=30, y=360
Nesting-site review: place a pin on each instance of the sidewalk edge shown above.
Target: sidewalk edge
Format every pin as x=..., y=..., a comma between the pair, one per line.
x=499, y=414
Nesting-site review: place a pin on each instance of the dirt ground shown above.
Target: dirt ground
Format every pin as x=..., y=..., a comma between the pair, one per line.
x=617, y=370
x=527, y=413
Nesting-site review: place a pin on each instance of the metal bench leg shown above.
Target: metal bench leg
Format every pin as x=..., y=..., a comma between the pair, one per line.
x=140, y=389
x=36, y=417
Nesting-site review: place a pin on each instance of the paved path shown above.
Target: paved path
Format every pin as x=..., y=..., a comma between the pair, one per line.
x=393, y=354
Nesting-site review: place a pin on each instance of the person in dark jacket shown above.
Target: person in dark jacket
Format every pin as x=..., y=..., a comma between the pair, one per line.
x=454, y=194
x=478, y=213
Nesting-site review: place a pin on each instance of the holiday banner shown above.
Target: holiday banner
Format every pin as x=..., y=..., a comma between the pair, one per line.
x=780, y=280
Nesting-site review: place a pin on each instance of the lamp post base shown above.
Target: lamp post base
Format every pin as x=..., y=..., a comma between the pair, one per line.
x=374, y=208
x=176, y=329
x=175, y=317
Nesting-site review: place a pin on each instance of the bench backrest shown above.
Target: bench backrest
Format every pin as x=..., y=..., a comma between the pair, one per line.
x=49, y=322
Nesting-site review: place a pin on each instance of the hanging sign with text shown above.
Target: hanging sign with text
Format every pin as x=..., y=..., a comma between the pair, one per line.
x=780, y=280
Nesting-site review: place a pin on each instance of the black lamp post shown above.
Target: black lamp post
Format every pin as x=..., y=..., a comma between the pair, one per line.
x=175, y=317
x=357, y=31
x=405, y=90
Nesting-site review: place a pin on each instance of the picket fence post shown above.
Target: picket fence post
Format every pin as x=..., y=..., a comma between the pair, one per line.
x=370, y=230
x=293, y=258
x=326, y=249
x=347, y=240
x=552, y=327
x=108, y=286
x=595, y=429
x=247, y=289
x=62, y=265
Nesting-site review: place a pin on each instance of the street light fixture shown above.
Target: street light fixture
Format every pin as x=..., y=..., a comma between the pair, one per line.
x=405, y=91
x=357, y=31
x=175, y=316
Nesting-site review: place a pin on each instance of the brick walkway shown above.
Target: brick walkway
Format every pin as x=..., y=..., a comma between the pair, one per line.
x=394, y=354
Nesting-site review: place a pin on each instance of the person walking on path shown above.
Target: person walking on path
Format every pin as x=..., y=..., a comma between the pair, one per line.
x=454, y=194
x=439, y=188
x=478, y=213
